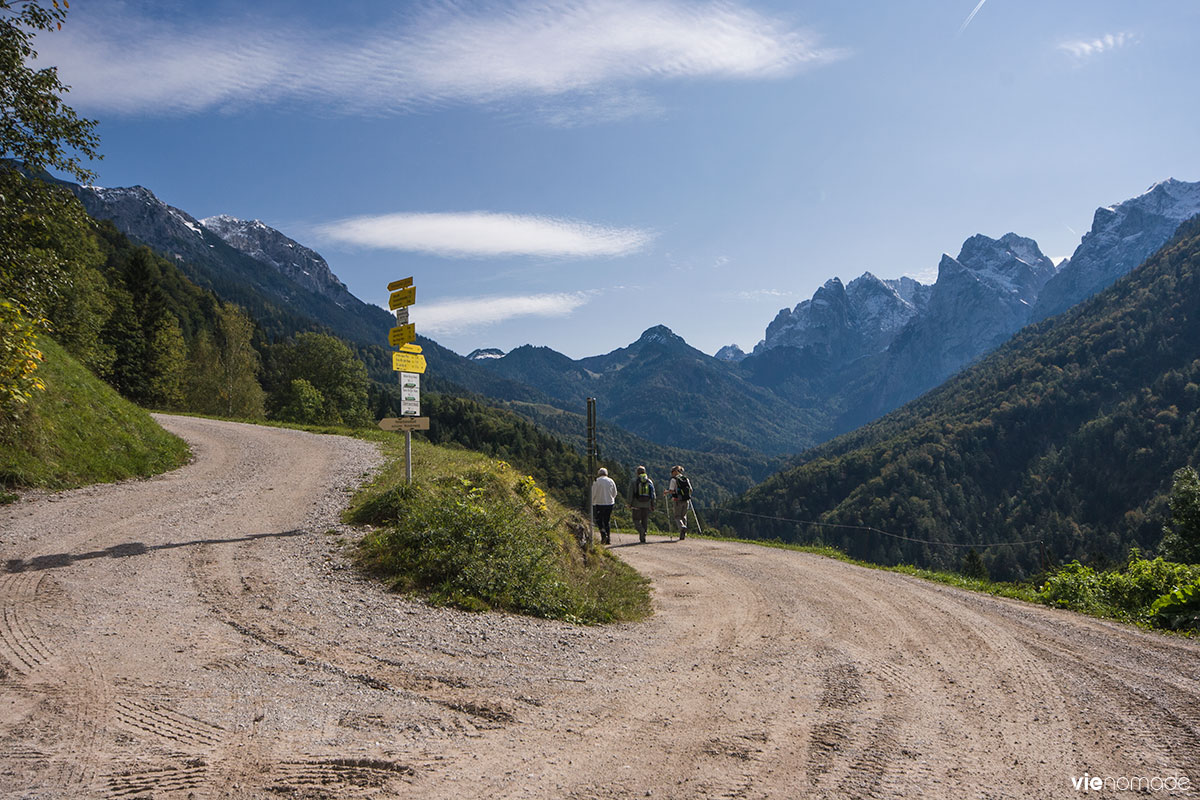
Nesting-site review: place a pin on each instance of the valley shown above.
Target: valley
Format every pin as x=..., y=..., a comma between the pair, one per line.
x=946, y=535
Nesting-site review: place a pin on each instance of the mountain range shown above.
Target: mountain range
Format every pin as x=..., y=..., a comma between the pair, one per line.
x=849, y=354
x=1061, y=444
x=853, y=351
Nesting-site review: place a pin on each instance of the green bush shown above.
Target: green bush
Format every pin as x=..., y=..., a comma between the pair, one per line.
x=1127, y=594
x=1073, y=586
x=484, y=538
x=1178, y=609
x=469, y=545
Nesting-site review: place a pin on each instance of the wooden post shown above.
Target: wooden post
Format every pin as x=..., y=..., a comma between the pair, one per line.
x=591, y=459
x=408, y=456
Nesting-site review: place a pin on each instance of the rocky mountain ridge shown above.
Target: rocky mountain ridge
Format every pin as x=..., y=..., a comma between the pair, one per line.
x=1122, y=236
x=980, y=299
x=849, y=354
x=263, y=243
x=843, y=323
x=263, y=284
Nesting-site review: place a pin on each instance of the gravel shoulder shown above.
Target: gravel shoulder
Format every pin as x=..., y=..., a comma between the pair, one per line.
x=200, y=635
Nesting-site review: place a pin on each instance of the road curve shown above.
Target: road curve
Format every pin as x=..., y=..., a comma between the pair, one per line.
x=199, y=635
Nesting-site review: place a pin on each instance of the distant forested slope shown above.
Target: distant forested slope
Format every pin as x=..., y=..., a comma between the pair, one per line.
x=1067, y=436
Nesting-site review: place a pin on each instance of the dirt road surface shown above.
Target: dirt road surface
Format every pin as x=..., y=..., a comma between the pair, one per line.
x=199, y=635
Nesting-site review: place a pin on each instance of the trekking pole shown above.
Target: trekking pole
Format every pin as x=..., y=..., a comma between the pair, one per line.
x=695, y=516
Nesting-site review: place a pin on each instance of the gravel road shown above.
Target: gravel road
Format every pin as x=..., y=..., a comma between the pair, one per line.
x=200, y=635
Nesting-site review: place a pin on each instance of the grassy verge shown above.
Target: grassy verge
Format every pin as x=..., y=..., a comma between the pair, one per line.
x=472, y=532
x=80, y=431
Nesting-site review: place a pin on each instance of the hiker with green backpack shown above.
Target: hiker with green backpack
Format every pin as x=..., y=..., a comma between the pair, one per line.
x=641, y=502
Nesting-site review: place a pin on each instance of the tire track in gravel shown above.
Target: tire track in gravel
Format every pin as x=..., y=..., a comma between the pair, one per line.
x=197, y=635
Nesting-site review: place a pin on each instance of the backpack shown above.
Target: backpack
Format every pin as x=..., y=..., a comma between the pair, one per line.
x=643, y=486
x=683, y=488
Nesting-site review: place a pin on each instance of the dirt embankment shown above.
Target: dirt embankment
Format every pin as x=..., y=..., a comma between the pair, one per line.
x=200, y=636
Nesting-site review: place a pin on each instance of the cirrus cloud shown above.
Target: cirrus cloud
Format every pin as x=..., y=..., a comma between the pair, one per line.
x=445, y=53
x=1086, y=48
x=461, y=314
x=485, y=234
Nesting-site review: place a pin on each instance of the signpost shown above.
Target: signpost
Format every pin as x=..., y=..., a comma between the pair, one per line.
x=404, y=423
x=410, y=394
x=593, y=453
x=402, y=334
x=409, y=362
x=402, y=298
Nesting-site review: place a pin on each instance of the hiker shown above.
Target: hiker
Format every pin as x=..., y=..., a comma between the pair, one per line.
x=604, y=495
x=641, y=501
x=680, y=492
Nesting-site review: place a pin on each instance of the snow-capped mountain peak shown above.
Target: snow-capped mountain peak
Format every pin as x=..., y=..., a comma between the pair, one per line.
x=263, y=243
x=486, y=354
x=846, y=322
x=1122, y=237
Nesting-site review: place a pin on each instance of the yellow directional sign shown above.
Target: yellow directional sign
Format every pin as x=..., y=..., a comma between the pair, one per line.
x=404, y=297
x=404, y=423
x=408, y=362
x=400, y=284
x=402, y=335
x=410, y=348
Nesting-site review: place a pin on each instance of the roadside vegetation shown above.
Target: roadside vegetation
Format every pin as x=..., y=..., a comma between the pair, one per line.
x=1149, y=593
x=474, y=533
x=78, y=430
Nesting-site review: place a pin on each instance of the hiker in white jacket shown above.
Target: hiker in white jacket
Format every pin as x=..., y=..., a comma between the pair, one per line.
x=604, y=496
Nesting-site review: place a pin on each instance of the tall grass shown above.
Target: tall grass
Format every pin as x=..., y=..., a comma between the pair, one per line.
x=80, y=431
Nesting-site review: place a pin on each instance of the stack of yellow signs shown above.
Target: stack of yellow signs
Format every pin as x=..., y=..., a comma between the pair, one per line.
x=408, y=361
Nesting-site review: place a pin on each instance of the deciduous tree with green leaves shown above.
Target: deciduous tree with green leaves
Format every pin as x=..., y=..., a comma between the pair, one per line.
x=39, y=131
x=1181, y=538
x=328, y=366
x=36, y=127
x=223, y=370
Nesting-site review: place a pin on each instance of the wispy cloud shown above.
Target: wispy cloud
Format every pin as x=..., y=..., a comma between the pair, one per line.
x=970, y=17
x=461, y=314
x=925, y=276
x=1083, y=49
x=762, y=294
x=446, y=53
x=484, y=234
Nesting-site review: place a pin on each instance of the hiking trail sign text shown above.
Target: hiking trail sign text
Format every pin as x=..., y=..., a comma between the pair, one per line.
x=404, y=423
x=408, y=362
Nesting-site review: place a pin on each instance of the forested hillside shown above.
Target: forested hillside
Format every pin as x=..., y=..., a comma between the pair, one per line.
x=1066, y=437
x=718, y=476
x=135, y=320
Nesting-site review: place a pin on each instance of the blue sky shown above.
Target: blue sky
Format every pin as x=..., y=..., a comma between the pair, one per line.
x=571, y=173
